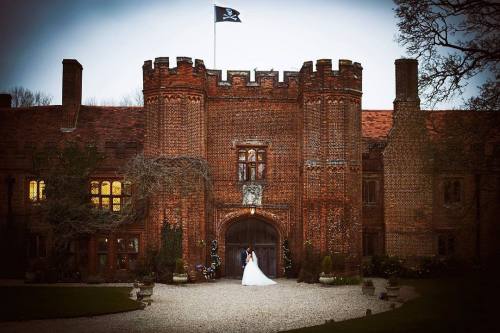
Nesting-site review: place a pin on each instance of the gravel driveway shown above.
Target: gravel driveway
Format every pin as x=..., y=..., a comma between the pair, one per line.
x=226, y=306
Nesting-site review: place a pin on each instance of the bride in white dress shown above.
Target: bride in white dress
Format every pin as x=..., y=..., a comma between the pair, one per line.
x=252, y=275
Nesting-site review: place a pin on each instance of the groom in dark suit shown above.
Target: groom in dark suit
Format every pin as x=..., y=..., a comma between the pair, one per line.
x=243, y=256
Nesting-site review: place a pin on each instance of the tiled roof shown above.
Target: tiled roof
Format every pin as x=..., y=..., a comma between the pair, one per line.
x=95, y=124
x=117, y=131
x=376, y=124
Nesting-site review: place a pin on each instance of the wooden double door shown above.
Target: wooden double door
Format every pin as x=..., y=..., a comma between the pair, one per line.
x=261, y=236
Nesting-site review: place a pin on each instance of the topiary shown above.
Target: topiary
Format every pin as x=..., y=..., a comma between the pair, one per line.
x=310, y=265
x=179, y=266
x=326, y=265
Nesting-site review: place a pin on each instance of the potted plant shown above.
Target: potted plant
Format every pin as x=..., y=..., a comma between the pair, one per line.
x=368, y=288
x=145, y=285
x=392, y=287
x=180, y=275
x=326, y=277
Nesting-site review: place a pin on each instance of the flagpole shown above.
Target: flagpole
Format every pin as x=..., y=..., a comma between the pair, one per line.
x=215, y=35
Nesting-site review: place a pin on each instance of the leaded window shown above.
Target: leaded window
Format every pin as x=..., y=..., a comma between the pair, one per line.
x=110, y=194
x=37, y=246
x=369, y=191
x=251, y=163
x=446, y=245
x=452, y=191
x=127, y=248
x=102, y=254
x=36, y=190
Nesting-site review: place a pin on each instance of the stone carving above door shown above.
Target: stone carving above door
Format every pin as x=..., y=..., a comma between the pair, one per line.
x=252, y=195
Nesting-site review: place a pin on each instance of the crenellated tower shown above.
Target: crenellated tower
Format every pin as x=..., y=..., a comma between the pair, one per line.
x=309, y=128
x=330, y=104
x=175, y=126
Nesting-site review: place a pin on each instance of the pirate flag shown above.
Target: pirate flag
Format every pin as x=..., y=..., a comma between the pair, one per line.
x=223, y=14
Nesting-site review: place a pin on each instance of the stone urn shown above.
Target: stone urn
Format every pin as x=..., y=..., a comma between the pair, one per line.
x=392, y=288
x=180, y=278
x=145, y=286
x=368, y=288
x=392, y=291
x=145, y=290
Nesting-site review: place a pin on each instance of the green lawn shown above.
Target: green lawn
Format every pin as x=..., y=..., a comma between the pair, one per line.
x=466, y=304
x=27, y=302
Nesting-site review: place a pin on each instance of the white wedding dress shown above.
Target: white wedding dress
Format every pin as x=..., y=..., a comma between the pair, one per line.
x=253, y=276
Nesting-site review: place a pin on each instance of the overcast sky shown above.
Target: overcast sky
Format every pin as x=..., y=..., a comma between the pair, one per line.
x=112, y=38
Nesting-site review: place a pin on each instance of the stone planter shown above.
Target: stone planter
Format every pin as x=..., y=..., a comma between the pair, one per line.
x=180, y=278
x=368, y=290
x=145, y=292
x=326, y=279
x=392, y=291
x=30, y=277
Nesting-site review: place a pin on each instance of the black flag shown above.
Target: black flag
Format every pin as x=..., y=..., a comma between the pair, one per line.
x=223, y=14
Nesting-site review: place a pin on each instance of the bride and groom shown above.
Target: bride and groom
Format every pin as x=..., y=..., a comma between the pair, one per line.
x=252, y=275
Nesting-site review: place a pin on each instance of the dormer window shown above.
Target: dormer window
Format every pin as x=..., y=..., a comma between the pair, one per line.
x=251, y=163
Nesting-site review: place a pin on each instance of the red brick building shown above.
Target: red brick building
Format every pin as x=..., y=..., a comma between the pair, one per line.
x=297, y=160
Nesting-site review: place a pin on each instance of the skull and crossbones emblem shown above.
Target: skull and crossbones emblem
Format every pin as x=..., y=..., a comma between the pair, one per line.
x=229, y=15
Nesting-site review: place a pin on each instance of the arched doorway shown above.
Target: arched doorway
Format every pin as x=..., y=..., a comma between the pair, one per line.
x=261, y=235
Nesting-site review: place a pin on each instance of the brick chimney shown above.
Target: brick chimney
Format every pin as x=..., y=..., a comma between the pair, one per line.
x=5, y=101
x=71, y=93
x=406, y=80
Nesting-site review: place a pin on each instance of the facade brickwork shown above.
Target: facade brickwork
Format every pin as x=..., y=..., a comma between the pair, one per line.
x=348, y=181
x=407, y=172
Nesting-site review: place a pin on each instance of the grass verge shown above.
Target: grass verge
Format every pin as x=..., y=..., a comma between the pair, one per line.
x=31, y=302
x=465, y=304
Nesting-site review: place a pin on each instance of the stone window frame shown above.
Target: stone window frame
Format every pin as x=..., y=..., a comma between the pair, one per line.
x=36, y=190
x=78, y=252
x=456, y=196
x=249, y=165
x=115, y=201
x=37, y=246
x=446, y=244
x=129, y=256
x=365, y=189
x=102, y=253
x=370, y=240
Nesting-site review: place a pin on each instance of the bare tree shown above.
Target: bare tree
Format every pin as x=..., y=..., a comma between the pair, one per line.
x=23, y=97
x=455, y=41
x=91, y=101
x=136, y=98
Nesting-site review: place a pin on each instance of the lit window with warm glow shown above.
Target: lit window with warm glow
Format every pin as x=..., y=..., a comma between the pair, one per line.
x=37, y=190
x=110, y=194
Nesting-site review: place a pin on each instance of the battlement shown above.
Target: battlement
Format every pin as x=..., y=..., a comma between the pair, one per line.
x=348, y=76
x=238, y=82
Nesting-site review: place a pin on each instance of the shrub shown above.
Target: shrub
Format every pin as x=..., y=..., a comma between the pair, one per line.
x=384, y=266
x=368, y=283
x=287, y=259
x=393, y=281
x=310, y=264
x=338, y=262
x=170, y=250
x=345, y=280
x=326, y=265
x=179, y=266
